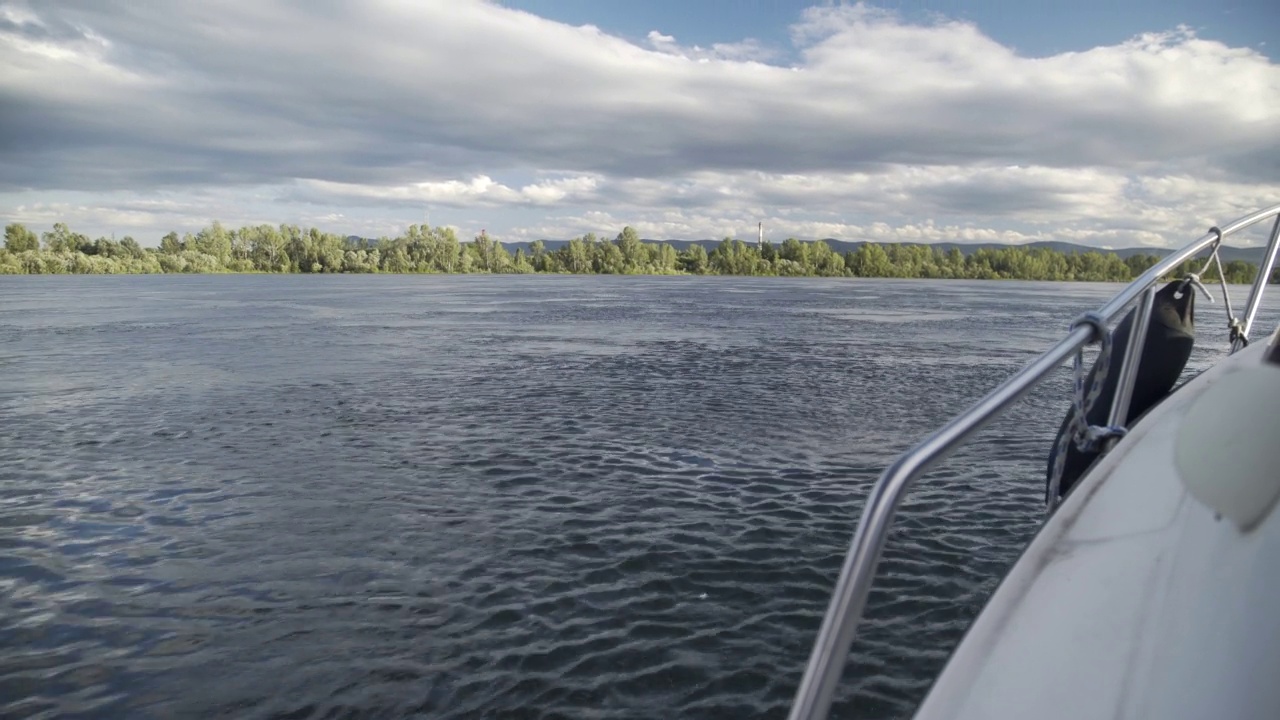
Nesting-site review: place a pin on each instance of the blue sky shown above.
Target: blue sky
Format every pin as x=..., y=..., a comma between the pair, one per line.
x=1033, y=27
x=1138, y=124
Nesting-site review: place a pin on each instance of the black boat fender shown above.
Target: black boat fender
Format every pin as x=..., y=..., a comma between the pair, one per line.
x=1171, y=333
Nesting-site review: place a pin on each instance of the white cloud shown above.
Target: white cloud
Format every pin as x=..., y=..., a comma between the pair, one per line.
x=746, y=50
x=366, y=112
x=19, y=15
x=663, y=43
x=481, y=190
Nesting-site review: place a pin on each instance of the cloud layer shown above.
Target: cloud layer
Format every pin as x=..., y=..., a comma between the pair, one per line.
x=131, y=119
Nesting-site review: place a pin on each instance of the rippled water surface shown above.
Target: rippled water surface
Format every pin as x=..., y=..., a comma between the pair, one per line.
x=524, y=497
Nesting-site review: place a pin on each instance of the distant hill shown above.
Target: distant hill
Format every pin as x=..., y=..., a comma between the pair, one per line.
x=1253, y=255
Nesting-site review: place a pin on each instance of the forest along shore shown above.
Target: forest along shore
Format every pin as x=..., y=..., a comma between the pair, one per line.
x=423, y=249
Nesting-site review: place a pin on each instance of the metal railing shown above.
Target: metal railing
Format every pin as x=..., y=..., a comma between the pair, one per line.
x=835, y=636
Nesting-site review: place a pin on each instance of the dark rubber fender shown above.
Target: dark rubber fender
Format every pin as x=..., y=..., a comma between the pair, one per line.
x=1171, y=333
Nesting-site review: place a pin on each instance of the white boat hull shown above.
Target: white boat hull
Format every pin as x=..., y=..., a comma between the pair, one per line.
x=1154, y=590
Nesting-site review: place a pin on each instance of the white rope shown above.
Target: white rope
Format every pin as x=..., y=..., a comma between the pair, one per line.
x=1234, y=326
x=1192, y=279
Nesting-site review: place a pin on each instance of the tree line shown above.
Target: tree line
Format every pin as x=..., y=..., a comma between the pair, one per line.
x=423, y=249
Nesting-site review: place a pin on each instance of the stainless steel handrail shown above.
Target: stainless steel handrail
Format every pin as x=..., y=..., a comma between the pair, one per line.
x=835, y=636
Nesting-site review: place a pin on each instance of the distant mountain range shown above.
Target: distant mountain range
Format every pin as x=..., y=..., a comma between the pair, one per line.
x=1253, y=255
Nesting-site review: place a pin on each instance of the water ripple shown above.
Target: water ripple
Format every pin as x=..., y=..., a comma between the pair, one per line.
x=599, y=497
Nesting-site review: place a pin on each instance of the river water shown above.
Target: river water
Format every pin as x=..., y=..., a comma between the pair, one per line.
x=506, y=497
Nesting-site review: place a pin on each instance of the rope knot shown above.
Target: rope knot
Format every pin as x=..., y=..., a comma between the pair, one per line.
x=1087, y=437
x=1237, y=330
x=1099, y=325
x=1099, y=433
x=1193, y=279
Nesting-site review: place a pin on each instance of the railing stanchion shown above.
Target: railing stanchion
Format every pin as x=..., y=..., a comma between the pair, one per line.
x=1259, y=284
x=1132, y=359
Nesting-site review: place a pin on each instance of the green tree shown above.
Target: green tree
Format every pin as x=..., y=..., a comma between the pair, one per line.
x=18, y=238
x=575, y=256
x=1140, y=263
x=538, y=255
x=446, y=250
x=666, y=259
x=131, y=248
x=521, y=263
x=634, y=256
x=61, y=239
x=1240, y=272
x=768, y=252
x=870, y=260
x=694, y=259
x=214, y=240
x=289, y=248
x=170, y=244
